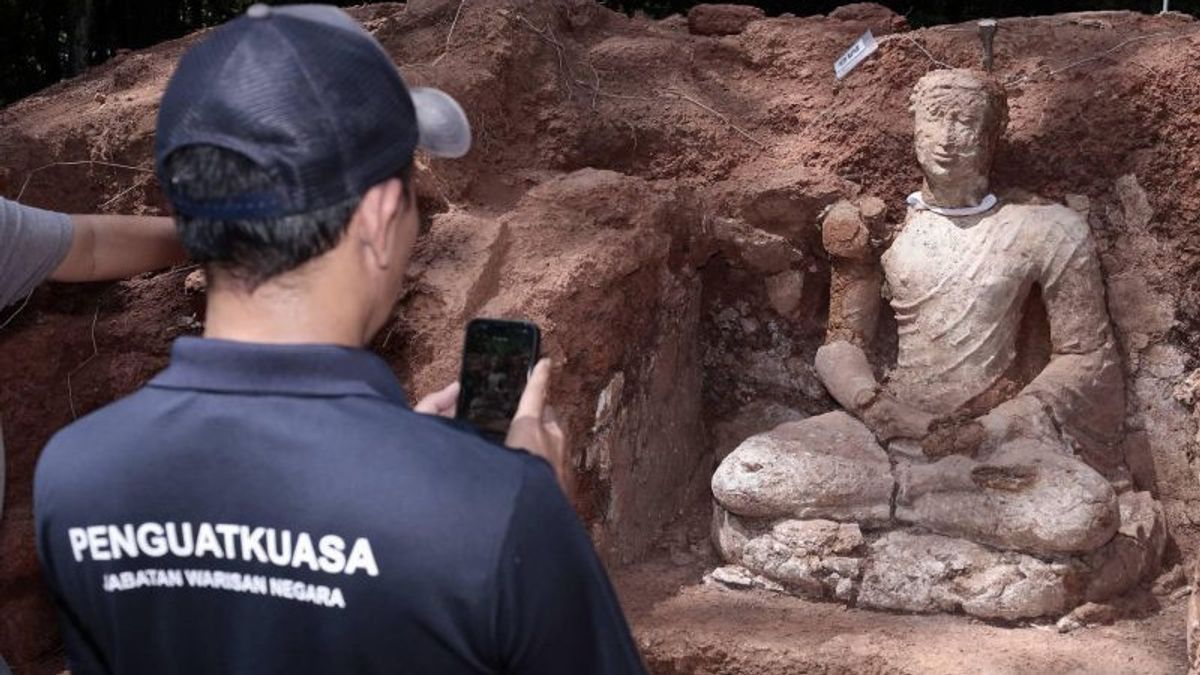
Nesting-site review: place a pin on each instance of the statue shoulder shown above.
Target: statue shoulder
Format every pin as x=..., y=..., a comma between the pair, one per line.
x=1053, y=218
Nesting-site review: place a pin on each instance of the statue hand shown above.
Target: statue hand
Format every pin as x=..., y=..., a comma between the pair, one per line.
x=889, y=418
x=1020, y=417
x=954, y=435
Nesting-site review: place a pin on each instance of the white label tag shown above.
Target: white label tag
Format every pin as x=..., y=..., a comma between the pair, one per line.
x=858, y=52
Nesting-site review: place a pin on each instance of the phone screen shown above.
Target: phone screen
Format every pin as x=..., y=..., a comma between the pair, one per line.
x=497, y=359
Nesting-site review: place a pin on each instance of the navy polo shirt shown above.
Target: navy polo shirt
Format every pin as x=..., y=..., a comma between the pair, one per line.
x=280, y=509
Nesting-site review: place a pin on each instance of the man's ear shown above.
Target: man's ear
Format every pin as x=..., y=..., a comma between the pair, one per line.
x=378, y=222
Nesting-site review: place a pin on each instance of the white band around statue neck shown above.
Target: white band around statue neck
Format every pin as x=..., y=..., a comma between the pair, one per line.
x=917, y=201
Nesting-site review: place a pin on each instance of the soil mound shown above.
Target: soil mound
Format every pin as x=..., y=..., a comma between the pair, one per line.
x=649, y=196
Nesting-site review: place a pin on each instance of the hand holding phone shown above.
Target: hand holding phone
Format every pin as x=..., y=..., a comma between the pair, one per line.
x=535, y=427
x=498, y=358
x=502, y=390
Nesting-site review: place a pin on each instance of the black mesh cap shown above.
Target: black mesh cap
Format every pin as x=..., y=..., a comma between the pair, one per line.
x=310, y=96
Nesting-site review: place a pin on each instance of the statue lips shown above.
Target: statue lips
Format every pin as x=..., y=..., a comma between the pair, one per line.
x=945, y=162
x=950, y=157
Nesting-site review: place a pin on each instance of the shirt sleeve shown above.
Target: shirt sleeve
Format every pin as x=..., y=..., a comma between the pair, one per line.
x=557, y=612
x=33, y=242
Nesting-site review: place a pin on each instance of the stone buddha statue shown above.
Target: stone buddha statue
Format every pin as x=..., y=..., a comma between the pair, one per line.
x=960, y=477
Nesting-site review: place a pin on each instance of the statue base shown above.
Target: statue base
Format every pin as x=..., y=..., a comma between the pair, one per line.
x=911, y=570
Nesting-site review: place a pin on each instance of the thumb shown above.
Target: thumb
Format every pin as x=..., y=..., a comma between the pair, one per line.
x=440, y=402
x=533, y=399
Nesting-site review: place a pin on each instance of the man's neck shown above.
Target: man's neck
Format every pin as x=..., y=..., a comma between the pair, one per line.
x=280, y=313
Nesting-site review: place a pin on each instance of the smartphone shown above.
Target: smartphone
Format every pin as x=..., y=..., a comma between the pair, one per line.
x=498, y=357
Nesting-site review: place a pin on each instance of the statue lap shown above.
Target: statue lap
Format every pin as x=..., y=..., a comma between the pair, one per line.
x=1026, y=495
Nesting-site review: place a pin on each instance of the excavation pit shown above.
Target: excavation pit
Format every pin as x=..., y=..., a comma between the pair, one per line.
x=651, y=198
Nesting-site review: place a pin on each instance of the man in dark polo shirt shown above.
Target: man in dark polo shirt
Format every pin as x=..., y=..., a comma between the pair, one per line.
x=269, y=503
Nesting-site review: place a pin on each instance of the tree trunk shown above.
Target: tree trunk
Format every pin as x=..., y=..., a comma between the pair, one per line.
x=79, y=39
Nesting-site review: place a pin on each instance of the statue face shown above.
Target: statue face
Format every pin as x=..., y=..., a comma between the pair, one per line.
x=953, y=138
x=959, y=118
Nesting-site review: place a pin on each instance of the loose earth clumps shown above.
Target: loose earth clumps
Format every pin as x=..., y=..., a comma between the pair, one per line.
x=653, y=199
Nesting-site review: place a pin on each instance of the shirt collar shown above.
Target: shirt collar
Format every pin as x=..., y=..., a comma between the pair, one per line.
x=299, y=370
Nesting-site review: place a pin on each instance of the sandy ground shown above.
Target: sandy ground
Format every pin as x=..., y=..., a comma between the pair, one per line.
x=687, y=628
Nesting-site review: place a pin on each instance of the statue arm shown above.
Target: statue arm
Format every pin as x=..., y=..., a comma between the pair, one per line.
x=1081, y=391
x=854, y=296
x=855, y=278
x=854, y=302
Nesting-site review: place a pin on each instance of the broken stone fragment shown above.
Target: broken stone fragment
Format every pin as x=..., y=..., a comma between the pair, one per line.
x=1136, y=211
x=739, y=578
x=760, y=251
x=880, y=19
x=196, y=282
x=1079, y=204
x=1134, y=553
x=609, y=401
x=1169, y=581
x=1165, y=361
x=785, y=291
x=1088, y=614
x=721, y=19
x=786, y=202
x=1137, y=309
x=733, y=576
x=1187, y=392
x=931, y=573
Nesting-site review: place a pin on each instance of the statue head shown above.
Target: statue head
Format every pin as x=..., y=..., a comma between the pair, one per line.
x=960, y=116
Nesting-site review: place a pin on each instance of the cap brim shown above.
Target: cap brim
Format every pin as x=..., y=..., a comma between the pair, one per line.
x=441, y=122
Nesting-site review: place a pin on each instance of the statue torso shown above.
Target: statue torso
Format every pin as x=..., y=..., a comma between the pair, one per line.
x=958, y=289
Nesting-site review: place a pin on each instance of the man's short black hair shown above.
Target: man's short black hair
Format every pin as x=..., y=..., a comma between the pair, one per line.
x=252, y=250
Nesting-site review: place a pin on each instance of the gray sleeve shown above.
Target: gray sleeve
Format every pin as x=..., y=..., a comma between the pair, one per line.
x=33, y=242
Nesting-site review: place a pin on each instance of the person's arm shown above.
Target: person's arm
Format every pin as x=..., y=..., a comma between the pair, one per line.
x=114, y=247
x=556, y=611
x=32, y=243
